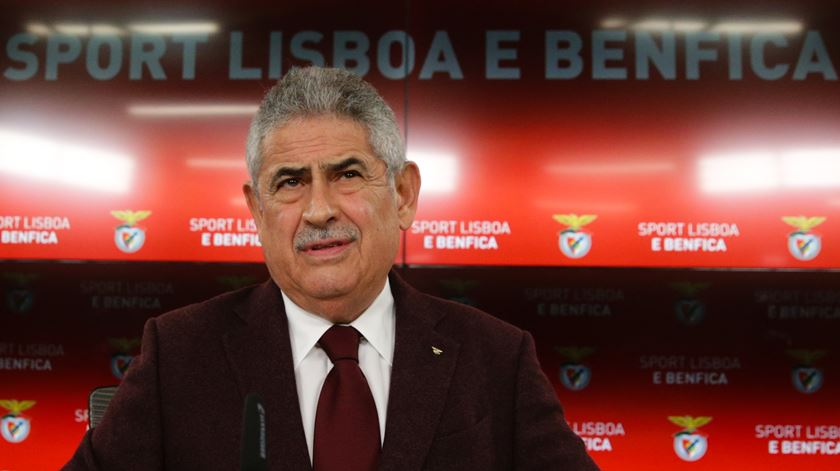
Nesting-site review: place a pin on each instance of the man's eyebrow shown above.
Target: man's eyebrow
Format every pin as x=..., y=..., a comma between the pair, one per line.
x=295, y=172
x=344, y=164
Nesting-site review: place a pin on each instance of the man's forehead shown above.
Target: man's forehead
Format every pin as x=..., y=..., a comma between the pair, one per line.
x=317, y=141
x=320, y=156
x=342, y=161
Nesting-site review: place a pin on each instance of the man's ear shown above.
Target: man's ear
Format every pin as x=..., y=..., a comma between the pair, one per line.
x=253, y=200
x=407, y=184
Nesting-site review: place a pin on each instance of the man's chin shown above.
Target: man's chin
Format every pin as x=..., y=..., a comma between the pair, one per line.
x=328, y=292
x=325, y=284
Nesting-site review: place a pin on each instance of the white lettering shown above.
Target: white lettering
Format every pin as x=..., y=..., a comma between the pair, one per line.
x=9, y=222
x=211, y=224
x=823, y=431
x=228, y=239
x=597, y=443
x=46, y=223
x=694, y=245
x=466, y=242
x=433, y=227
x=25, y=364
x=29, y=237
x=813, y=447
x=40, y=350
x=695, y=377
x=81, y=415
x=777, y=431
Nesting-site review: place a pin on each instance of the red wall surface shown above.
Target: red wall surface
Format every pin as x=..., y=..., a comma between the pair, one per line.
x=625, y=348
x=652, y=190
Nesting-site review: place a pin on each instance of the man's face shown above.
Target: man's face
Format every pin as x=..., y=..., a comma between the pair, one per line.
x=328, y=218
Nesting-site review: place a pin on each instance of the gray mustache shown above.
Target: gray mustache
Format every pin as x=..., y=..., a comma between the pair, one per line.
x=311, y=234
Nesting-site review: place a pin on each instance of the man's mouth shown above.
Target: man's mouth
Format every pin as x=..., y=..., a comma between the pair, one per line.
x=325, y=245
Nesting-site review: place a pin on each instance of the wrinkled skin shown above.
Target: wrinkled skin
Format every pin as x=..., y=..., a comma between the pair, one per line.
x=328, y=217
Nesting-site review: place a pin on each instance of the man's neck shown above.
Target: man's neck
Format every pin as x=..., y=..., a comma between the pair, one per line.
x=338, y=310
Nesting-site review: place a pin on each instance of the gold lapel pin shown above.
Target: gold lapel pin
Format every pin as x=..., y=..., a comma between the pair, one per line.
x=436, y=350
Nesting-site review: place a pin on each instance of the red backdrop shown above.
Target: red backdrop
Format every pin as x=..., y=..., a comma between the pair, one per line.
x=568, y=148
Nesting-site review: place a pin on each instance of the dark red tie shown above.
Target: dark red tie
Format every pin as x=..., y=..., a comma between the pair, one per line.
x=346, y=424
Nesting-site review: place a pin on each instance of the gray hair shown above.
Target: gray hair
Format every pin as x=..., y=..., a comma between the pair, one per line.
x=316, y=91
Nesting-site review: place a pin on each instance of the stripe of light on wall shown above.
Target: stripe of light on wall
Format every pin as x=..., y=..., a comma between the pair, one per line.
x=768, y=170
x=85, y=29
x=440, y=168
x=747, y=27
x=191, y=110
x=48, y=159
x=211, y=163
x=196, y=27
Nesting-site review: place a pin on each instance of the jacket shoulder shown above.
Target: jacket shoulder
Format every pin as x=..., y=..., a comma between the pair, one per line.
x=460, y=319
x=208, y=317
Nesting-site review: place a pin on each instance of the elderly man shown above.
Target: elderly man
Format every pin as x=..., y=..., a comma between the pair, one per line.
x=358, y=370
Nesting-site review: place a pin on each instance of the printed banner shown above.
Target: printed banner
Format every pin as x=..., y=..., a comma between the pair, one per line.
x=611, y=137
x=652, y=373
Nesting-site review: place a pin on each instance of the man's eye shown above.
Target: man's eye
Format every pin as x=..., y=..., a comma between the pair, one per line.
x=288, y=183
x=350, y=174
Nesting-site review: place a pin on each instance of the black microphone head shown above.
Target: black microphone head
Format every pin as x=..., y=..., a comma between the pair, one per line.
x=253, y=452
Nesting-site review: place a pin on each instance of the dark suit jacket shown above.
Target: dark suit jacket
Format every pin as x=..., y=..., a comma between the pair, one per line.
x=481, y=404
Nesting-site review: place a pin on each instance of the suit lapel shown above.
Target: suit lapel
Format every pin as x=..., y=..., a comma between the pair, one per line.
x=260, y=356
x=424, y=361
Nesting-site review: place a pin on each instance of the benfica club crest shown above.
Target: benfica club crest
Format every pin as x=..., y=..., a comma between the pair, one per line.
x=806, y=377
x=121, y=360
x=689, y=444
x=573, y=241
x=19, y=298
x=802, y=244
x=689, y=310
x=128, y=237
x=574, y=375
x=15, y=427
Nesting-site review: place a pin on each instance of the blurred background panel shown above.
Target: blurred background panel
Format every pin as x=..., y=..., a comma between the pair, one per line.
x=652, y=190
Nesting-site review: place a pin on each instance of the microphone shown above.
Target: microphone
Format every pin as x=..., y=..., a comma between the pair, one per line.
x=253, y=454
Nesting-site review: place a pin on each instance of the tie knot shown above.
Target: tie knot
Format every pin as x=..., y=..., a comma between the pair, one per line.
x=341, y=343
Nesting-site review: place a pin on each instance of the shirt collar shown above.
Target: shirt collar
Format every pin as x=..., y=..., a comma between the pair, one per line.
x=376, y=324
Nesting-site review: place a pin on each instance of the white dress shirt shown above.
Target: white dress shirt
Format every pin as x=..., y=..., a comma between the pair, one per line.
x=376, y=356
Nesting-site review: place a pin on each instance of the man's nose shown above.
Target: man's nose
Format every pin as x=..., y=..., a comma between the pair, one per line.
x=320, y=209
